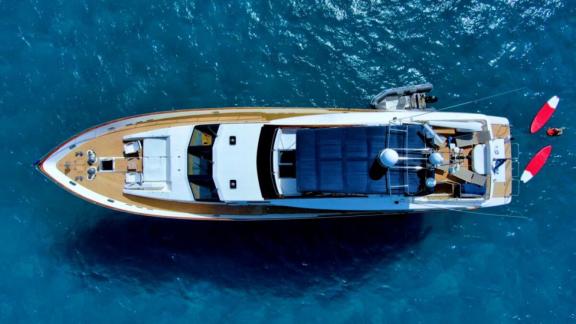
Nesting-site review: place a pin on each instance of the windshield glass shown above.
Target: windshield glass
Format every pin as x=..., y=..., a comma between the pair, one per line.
x=200, y=163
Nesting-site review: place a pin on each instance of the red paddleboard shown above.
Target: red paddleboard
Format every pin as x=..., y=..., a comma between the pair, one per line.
x=544, y=114
x=536, y=163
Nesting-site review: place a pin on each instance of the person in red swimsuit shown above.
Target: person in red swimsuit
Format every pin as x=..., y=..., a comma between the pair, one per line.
x=554, y=131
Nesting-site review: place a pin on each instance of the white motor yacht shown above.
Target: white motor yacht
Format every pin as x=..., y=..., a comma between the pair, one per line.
x=288, y=163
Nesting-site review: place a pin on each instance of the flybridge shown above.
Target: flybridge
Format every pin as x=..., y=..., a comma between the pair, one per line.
x=345, y=160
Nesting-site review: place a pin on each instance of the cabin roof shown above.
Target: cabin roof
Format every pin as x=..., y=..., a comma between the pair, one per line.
x=234, y=168
x=343, y=160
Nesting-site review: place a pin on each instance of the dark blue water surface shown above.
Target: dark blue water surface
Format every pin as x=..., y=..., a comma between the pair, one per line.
x=67, y=65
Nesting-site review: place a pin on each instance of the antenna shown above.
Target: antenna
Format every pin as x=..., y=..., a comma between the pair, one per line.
x=475, y=212
x=466, y=103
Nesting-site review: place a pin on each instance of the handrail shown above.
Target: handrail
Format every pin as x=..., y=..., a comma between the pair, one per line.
x=405, y=160
x=515, y=193
x=515, y=160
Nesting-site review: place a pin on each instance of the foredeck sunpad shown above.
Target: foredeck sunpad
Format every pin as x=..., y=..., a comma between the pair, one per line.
x=338, y=160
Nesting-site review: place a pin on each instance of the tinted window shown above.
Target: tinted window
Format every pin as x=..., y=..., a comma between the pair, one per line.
x=200, y=163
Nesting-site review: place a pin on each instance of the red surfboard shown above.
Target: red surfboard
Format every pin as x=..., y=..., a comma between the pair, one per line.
x=544, y=114
x=536, y=164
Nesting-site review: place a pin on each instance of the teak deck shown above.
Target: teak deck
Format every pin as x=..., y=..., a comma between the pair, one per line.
x=447, y=181
x=504, y=189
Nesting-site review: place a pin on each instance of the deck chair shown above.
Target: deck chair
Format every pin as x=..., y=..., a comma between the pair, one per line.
x=443, y=167
x=473, y=139
x=133, y=179
x=132, y=164
x=132, y=147
x=471, y=177
x=470, y=190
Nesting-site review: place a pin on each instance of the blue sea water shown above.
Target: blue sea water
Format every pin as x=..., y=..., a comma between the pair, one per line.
x=68, y=65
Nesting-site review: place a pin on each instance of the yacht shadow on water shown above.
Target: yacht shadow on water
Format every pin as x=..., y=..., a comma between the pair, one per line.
x=279, y=257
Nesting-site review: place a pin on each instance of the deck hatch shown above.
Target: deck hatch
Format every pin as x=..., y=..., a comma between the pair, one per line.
x=107, y=165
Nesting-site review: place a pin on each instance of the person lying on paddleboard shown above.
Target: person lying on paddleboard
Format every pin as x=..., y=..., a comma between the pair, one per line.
x=555, y=131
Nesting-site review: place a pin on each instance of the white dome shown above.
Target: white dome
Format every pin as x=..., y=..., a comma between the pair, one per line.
x=388, y=157
x=436, y=158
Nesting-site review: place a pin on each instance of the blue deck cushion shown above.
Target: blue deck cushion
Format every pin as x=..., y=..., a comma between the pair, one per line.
x=338, y=160
x=472, y=189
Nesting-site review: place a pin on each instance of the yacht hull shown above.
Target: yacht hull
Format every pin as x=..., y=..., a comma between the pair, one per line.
x=64, y=166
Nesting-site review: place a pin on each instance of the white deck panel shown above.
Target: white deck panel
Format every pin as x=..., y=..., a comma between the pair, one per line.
x=237, y=162
x=498, y=152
